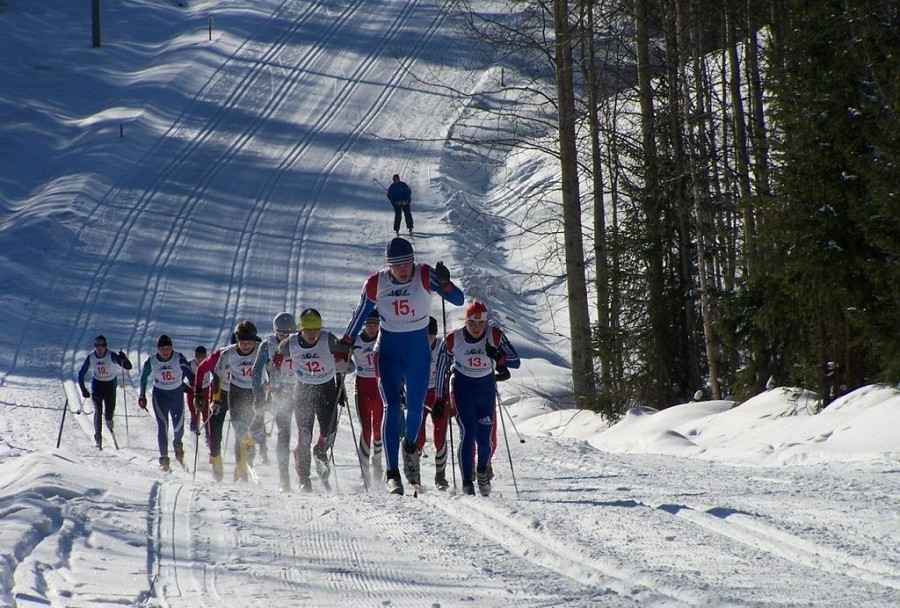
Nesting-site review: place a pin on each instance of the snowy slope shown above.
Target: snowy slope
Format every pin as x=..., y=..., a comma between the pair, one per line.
x=171, y=183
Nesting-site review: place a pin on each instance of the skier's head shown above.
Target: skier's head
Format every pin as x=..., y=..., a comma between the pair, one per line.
x=400, y=258
x=396, y=178
x=476, y=318
x=100, y=343
x=373, y=320
x=245, y=331
x=399, y=251
x=310, y=319
x=200, y=353
x=283, y=324
x=163, y=341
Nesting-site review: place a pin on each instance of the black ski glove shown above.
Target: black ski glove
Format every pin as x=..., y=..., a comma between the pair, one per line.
x=502, y=373
x=198, y=399
x=123, y=360
x=442, y=273
x=85, y=393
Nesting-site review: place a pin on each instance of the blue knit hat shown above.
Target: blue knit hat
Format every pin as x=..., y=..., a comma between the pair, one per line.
x=399, y=251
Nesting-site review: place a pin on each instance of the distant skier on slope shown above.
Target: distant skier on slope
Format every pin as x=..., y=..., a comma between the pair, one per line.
x=168, y=369
x=369, y=406
x=402, y=294
x=104, y=366
x=317, y=363
x=275, y=384
x=478, y=355
x=440, y=414
x=400, y=196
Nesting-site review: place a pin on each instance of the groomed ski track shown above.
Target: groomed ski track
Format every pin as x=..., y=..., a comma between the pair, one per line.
x=334, y=75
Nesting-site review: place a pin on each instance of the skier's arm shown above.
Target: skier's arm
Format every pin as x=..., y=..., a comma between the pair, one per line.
x=363, y=308
x=205, y=367
x=121, y=359
x=145, y=376
x=447, y=290
x=506, y=354
x=341, y=351
x=82, y=372
x=186, y=370
x=259, y=366
x=442, y=369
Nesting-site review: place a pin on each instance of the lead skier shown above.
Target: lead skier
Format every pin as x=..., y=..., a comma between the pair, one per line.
x=402, y=294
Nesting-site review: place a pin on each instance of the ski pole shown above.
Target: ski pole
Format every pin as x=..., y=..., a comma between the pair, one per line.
x=125, y=407
x=196, y=453
x=512, y=469
x=375, y=179
x=450, y=421
x=62, y=422
x=508, y=415
x=362, y=470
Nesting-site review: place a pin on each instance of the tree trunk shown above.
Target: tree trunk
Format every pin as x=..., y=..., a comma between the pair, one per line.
x=576, y=280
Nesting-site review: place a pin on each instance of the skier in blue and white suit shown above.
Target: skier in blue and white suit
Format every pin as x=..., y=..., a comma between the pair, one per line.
x=478, y=355
x=402, y=294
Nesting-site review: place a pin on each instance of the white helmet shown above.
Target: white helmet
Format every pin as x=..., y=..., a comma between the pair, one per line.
x=284, y=322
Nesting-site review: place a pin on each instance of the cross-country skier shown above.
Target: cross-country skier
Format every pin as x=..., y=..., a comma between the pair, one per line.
x=478, y=355
x=400, y=196
x=219, y=368
x=317, y=363
x=440, y=414
x=369, y=406
x=238, y=358
x=402, y=294
x=168, y=369
x=200, y=414
x=275, y=385
x=104, y=366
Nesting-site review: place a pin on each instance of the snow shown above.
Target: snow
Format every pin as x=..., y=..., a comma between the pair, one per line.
x=169, y=183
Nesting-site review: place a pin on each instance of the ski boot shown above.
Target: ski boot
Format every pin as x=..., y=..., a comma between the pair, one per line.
x=217, y=466
x=164, y=464
x=284, y=486
x=411, y=463
x=440, y=480
x=179, y=451
x=484, y=483
x=98, y=441
x=323, y=467
x=468, y=487
x=393, y=483
x=305, y=485
x=109, y=424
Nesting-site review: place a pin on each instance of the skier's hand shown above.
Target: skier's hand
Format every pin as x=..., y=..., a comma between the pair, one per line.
x=345, y=347
x=85, y=393
x=278, y=359
x=198, y=399
x=502, y=373
x=442, y=274
x=437, y=409
x=123, y=360
x=195, y=427
x=142, y=402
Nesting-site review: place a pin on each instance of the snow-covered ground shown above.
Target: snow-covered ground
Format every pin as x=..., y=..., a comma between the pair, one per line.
x=171, y=183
